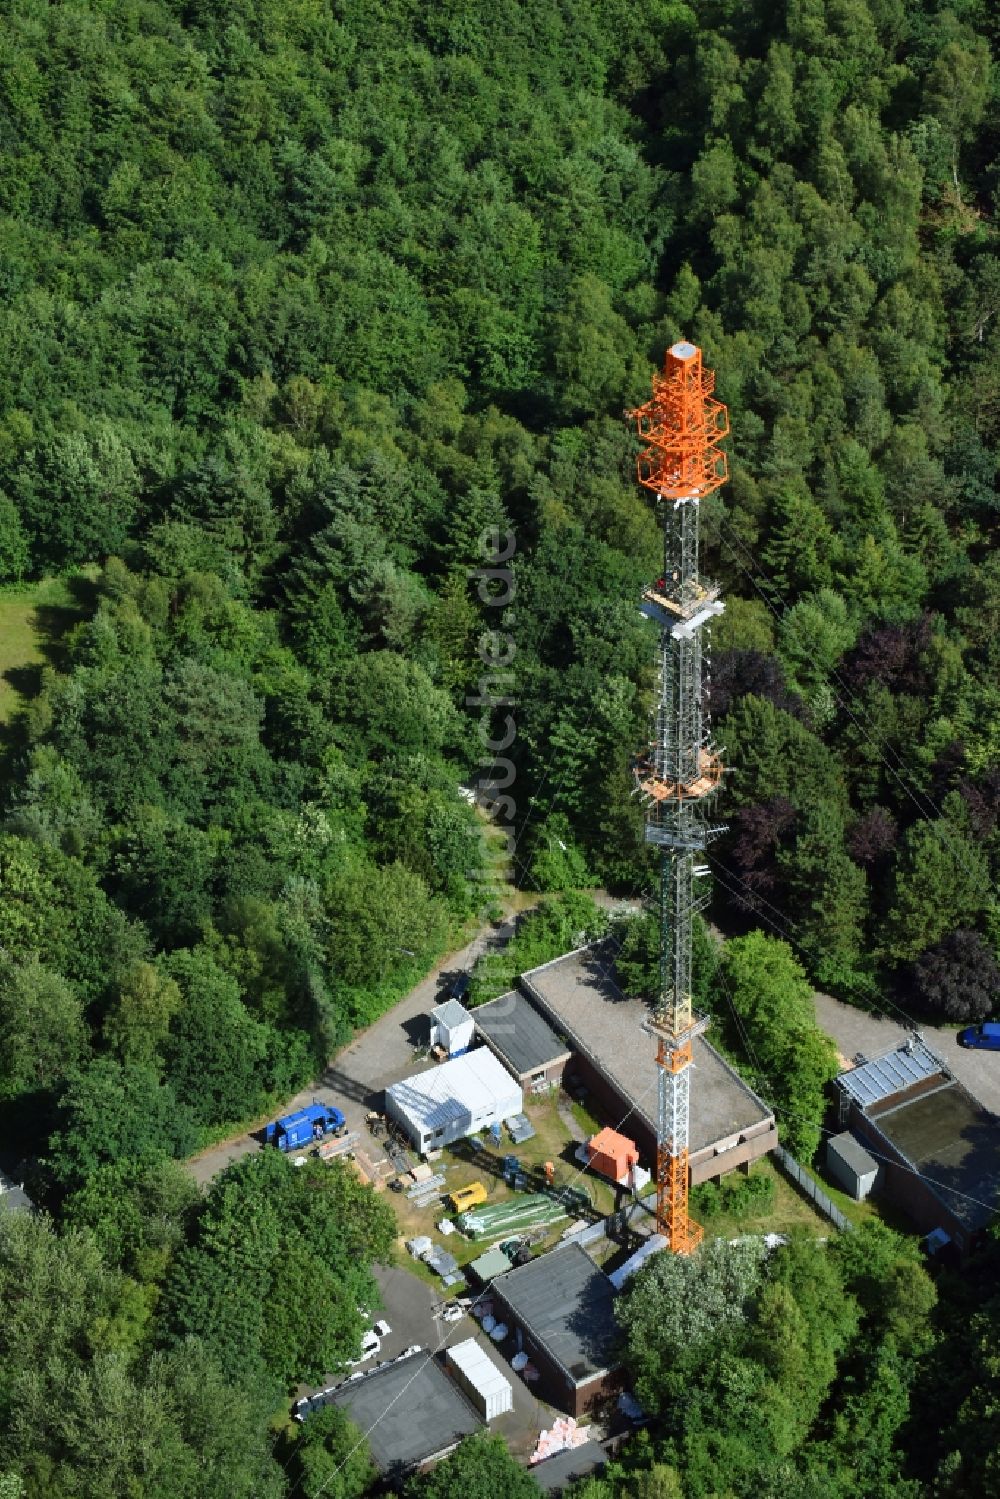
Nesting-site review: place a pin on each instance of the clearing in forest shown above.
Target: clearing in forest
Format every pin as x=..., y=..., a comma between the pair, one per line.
x=34, y=619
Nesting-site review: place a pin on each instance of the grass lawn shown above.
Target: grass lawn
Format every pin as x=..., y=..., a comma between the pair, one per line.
x=790, y=1210
x=552, y=1142
x=34, y=618
x=587, y=1121
x=859, y=1212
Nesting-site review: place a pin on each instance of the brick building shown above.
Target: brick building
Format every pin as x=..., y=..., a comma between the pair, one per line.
x=616, y=1060
x=561, y=1309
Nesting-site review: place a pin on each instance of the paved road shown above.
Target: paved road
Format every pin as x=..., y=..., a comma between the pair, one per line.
x=857, y=1031
x=408, y=1307
x=356, y=1076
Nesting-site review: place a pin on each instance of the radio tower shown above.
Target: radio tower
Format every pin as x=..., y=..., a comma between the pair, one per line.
x=681, y=462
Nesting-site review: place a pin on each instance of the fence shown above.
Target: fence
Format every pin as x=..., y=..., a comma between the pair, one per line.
x=795, y=1173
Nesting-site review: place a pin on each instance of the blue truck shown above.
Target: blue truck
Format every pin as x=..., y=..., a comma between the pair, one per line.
x=296, y=1131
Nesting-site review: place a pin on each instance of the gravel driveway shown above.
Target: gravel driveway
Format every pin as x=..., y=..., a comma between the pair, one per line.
x=355, y=1077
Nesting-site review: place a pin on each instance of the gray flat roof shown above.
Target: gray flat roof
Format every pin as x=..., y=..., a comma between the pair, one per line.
x=555, y=1473
x=567, y=1304
x=954, y=1143
x=890, y=1073
x=578, y=993
x=522, y=1036
x=853, y=1153
x=451, y=1013
x=408, y=1411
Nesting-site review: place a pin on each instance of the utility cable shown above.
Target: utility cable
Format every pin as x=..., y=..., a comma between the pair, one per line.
x=933, y=820
x=444, y=1341
x=787, y=929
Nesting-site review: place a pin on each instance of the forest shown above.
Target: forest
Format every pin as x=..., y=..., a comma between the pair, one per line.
x=318, y=325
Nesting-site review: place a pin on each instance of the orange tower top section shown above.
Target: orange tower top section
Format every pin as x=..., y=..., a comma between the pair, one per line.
x=682, y=427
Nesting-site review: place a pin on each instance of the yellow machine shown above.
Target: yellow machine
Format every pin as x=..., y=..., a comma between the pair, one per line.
x=464, y=1198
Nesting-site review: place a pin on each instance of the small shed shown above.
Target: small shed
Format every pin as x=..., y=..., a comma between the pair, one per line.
x=452, y=1027
x=493, y=1262
x=849, y=1163
x=612, y=1155
x=480, y=1379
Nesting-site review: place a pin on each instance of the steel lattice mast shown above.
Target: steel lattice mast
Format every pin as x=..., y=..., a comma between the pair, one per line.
x=681, y=462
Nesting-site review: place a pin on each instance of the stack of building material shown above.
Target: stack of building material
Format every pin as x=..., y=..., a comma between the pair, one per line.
x=426, y=1192
x=560, y=1437
x=329, y=1150
x=521, y=1128
x=443, y=1264
x=372, y=1170
x=502, y=1218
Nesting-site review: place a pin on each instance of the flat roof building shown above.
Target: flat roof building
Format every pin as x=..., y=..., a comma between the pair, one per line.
x=562, y=1309
x=456, y=1098
x=616, y=1058
x=409, y=1411
x=937, y=1147
x=525, y=1043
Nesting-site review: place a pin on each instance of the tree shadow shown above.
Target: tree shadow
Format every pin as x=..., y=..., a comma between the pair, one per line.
x=349, y=1087
x=53, y=622
x=25, y=680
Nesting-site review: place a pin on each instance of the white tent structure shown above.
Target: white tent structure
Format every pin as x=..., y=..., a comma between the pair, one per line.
x=458, y=1098
x=480, y=1378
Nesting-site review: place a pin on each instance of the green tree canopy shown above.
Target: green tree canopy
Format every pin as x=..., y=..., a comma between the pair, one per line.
x=765, y=1004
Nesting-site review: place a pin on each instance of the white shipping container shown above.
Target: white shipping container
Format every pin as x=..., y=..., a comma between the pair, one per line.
x=481, y=1380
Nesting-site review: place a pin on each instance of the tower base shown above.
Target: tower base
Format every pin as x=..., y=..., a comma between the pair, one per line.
x=683, y=1235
